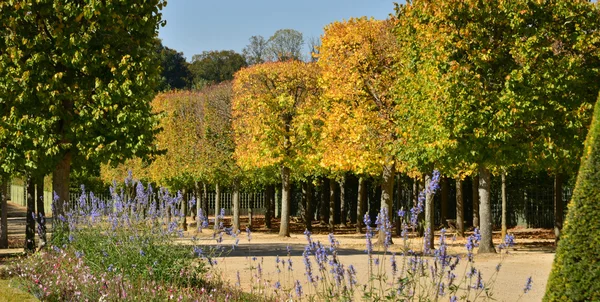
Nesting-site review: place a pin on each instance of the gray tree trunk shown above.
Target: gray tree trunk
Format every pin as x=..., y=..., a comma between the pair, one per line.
x=343, y=205
x=429, y=217
x=486, y=245
x=236, y=207
x=4, y=196
x=387, y=195
x=445, y=196
x=217, y=205
x=60, y=185
x=29, y=193
x=558, y=205
x=504, y=226
x=361, y=203
x=277, y=199
x=205, y=200
x=460, y=209
x=269, y=200
x=324, y=189
x=250, y=208
x=286, y=196
x=331, y=205
x=400, y=205
x=184, y=209
x=309, y=205
x=476, y=191
x=41, y=212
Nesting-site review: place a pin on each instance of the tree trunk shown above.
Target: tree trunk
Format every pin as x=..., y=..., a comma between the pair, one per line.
x=4, y=196
x=558, y=205
x=343, y=205
x=276, y=210
x=236, y=207
x=205, y=200
x=475, y=190
x=504, y=227
x=60, y=185
x=217, y=206
x=41, y=212
x=331, y=205
x=429, y=217
x=415, y=192
x=460, y=210
x=387, y=195
x=250, y=207
x=286, y=196
x=309, y=205
x=361, y=203
x=400, y=206
x=486, y=245
x=269, y=200
x=29, y=193
x=324, y=217
x=445, y=196
x=199, y=202
x=184, y=209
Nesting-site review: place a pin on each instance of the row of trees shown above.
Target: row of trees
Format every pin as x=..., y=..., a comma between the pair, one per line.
x=466, y=87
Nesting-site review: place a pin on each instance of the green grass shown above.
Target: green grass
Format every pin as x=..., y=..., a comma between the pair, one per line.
x=9, y=292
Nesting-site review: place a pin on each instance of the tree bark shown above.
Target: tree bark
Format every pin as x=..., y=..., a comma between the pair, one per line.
x=269, y=200
x=60, y=185
x=460, y=210
x=504, y=226
x=475, y=190
x=486, y=245
x=343, y=205
x=331, y=205
x=41, y=212
x=276, y=210
x=184, y=209
x=217, y=205
x=286, y=196
x=387, y=195
x=236, y=206
x=323, y=215
x=445, y=196
x=29, y=193
x=309, y=205
x=4, y=196
x=361, y=203
x=250, y=207
x=558, y=205
x=429, y=217
x=400, y=206
x=205, y=200
x=199, y=202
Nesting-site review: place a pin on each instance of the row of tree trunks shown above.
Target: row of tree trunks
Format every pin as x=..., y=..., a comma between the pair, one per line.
x=4, y=196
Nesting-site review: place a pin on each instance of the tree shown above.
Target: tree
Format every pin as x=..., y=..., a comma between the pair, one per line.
x=284, y=45
x=268, y=101
x=357, y=58
x=214, y=67
x=175, y=72
x=256, y=51
x=575, y=271
x=89, y=70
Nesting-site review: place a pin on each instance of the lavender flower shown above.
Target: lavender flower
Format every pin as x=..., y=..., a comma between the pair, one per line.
x=528, y=284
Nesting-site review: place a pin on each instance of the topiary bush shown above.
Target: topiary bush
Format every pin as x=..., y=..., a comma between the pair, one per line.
x=575, y=274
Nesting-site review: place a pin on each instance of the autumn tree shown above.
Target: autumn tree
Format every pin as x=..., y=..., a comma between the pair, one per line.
x=89, y=69
x=357, y=58
x=268, y=100
x=256, y=51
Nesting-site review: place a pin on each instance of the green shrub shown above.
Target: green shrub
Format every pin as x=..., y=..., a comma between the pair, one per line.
x=575, y=274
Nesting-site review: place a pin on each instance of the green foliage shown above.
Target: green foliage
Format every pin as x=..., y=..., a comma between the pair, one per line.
x=175, y=72
x=256, y=51
x=213, y=67
x=76, y=79
x=284, y=45
x=576, y=269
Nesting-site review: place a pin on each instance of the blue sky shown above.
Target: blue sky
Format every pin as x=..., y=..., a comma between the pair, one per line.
x=197, y=25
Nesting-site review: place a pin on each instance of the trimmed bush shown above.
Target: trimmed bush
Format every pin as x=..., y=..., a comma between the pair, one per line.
x=575, y=274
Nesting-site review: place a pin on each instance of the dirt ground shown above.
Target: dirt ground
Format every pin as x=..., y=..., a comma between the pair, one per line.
x=532, y=257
